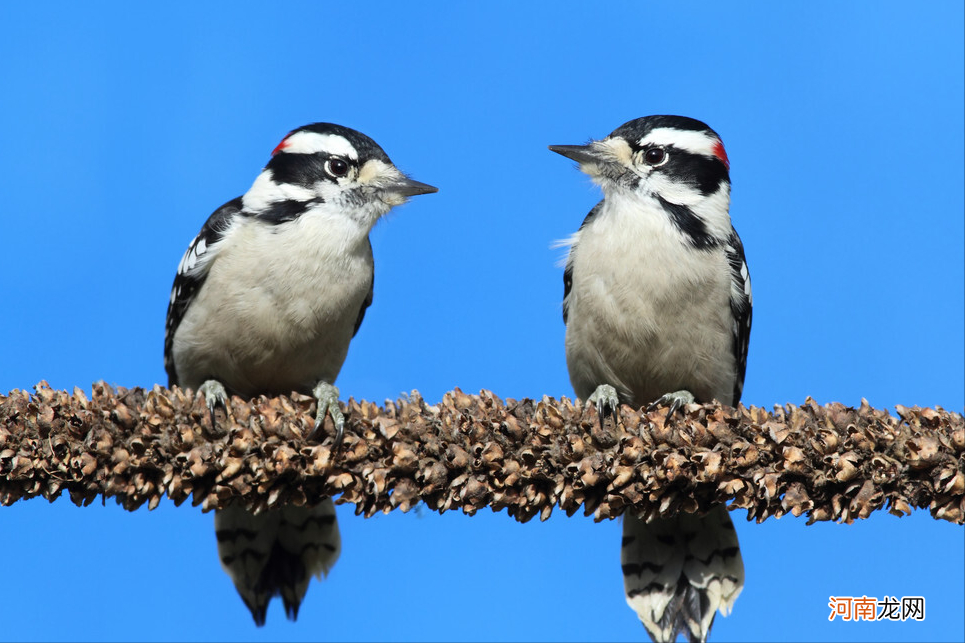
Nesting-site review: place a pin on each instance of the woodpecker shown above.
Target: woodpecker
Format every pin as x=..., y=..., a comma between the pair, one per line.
x=265, y=302
x=657, y=307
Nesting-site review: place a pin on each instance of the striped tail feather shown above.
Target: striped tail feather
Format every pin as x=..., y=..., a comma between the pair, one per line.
x=678, y=572
x=276, y=552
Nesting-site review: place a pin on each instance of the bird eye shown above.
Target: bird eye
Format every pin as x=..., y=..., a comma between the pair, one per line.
x=655, y=156
x=336, y=167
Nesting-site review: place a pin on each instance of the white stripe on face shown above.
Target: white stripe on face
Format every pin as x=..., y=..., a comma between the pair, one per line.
x=313, y=143
x=700, y=143
x=264, y=191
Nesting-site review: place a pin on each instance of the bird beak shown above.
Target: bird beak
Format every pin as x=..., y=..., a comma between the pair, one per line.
x=406, y=187
x=579, y=153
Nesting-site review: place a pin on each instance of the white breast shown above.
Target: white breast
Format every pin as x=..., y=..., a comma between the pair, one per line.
x=278, y=308
x=647, y=313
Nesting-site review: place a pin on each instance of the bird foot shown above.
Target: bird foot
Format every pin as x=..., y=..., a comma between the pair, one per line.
x=327, y=396
x=676, y=400
x=606, y=400
x=215, y=396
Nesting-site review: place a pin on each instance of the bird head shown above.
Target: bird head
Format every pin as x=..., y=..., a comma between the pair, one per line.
x=330, y=164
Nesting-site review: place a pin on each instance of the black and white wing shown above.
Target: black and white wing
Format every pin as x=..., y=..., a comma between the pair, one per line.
x=741, y=304
x=191, y=274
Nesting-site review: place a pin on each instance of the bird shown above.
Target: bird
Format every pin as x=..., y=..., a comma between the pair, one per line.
x=657, y=307
x=265, y=301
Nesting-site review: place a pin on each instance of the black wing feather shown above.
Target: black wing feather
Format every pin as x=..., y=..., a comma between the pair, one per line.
x=368, y=298
x=740, y=306
x=568, y=270
x=186, y=285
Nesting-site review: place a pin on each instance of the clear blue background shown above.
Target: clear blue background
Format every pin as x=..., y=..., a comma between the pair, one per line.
x=122, y=127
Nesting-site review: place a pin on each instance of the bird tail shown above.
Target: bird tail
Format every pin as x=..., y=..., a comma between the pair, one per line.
x=276, y=552
x=678, y=572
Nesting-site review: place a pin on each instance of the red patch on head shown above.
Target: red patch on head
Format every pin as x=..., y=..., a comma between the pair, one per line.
x=721, y=154
x=280, y=146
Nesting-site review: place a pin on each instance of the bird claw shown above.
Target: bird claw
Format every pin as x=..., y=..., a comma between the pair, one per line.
x=606, y=400
x=677, y=400
x=215, y=395
x=327, y=396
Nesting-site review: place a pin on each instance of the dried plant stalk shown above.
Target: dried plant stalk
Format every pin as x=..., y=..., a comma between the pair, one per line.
x=467, y=452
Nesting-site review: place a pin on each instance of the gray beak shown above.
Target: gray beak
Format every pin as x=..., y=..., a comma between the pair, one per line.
x=406, y=187
x=579, y=153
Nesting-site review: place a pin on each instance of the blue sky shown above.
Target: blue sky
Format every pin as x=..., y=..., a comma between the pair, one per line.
x=123, y=127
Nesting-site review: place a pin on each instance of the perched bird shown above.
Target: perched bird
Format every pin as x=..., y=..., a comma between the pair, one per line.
x=657, y=307
x=265, y=302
